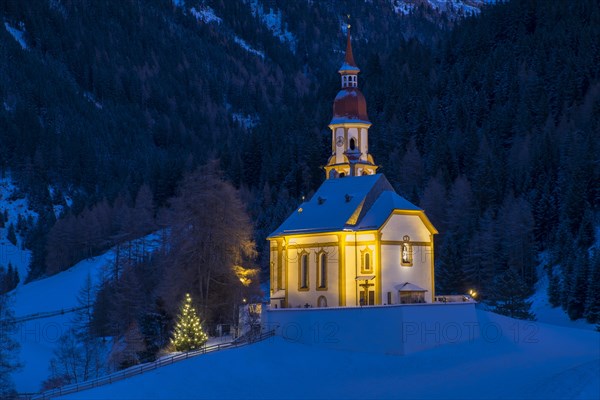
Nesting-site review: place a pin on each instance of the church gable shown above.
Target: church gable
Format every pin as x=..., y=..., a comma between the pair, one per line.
x=380, y=188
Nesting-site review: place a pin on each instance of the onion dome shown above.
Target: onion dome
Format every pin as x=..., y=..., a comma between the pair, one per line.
x=349, y=106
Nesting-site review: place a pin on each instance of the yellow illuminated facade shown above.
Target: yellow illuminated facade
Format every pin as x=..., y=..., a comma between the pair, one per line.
x=356, y=242
x=353, y=268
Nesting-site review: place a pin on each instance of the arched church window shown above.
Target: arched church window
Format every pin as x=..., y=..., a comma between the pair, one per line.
x=342, y=174
x=366, y=266
x=322, y=271
x=303, y=272
x=352, y=144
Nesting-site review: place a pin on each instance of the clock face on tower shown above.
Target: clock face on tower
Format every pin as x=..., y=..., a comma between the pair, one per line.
x=340, y=141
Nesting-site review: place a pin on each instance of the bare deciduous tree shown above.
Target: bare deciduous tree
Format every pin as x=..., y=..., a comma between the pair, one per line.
x=210, y=234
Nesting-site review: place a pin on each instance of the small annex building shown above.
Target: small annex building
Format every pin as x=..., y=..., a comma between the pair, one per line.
x=356, y=241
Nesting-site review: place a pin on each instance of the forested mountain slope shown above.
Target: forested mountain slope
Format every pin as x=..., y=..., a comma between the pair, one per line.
x=490, y=123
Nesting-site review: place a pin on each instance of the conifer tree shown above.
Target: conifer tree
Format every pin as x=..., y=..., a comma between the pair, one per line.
x=553, y=288
x=16, y=278
x=10, y=235
x=592, y=306
x=188, y=334
x=8, y=349
x=510, y=296
x=3, y=278
x=450, y=277
x=11, y=278
x=578, y=290
x=7, y=279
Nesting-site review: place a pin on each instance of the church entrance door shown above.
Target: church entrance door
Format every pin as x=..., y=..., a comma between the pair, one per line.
x=368, y=299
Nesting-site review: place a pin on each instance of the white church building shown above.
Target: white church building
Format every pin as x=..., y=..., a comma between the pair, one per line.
x=356, y=241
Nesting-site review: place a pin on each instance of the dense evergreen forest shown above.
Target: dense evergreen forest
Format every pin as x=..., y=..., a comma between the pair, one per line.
x=490, y=123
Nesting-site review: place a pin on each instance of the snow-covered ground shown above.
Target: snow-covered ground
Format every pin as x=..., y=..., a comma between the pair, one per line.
x=17, y=33
x=244, y=45
x=14, y=206
x=246, y=121
x=451, y=7
x=39, y=337
x=541, y=307
x=518, y=360
x=205, y=14
x=274, y=22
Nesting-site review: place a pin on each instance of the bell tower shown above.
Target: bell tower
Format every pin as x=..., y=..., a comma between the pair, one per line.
x=349, y=125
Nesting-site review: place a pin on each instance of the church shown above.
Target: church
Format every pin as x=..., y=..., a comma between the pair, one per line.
x=356, y=242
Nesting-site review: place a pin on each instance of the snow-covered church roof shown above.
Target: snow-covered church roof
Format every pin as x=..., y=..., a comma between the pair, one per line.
x=359, y=203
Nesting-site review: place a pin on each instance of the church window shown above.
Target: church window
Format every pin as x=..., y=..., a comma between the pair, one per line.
x=389, y=297
x=352, y=144
x=367, y=261
x=406, y=252
x=322, y=271
x=303, y=272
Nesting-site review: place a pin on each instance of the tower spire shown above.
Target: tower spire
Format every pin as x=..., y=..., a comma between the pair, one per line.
x=349, y=125
x=349, y=66
x=349, y=56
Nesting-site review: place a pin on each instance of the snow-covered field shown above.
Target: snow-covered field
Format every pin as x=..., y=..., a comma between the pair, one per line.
x=39, y=337
x=524, y=360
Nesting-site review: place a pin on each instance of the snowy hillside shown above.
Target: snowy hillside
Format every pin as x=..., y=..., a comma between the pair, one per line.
x=512, y=359
x=540, y=306
x=14, y=205
x=39, y=336
x=452, y=8
x=274, y=22
x=17, y=33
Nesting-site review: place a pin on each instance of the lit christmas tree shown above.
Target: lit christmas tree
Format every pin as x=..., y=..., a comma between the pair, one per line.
x=188, y=334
